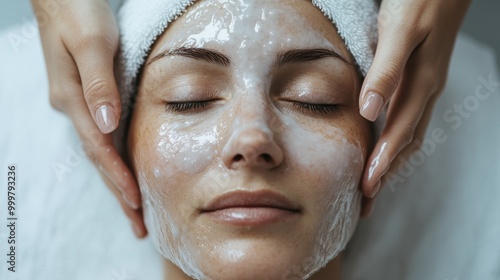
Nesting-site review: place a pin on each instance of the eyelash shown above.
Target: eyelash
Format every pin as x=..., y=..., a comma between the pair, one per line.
x=324, y=109
x=186, y=106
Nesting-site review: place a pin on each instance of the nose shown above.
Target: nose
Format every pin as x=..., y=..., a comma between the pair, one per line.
x=252, y=146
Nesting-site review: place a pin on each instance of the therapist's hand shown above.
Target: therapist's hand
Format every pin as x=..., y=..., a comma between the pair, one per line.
x=416, y=39
x=80, y=41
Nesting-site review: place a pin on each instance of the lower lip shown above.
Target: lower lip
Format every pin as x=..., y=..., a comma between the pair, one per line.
x=251, y=216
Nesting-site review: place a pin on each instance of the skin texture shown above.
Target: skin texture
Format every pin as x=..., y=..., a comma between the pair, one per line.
x=251, y=135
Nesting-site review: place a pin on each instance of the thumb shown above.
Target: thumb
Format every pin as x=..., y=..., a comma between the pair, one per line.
x=95, y=65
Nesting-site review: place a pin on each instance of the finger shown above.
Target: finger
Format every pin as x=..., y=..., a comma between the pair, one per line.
x=64, y=80
x=368, y=204
x=102, y=153
x=405, y=111
x=95, y=65
x=414, y=146
x=135, y=216
x=385, y=73
x=67, y=96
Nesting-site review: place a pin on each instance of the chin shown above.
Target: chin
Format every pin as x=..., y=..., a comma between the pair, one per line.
x=266, y=265
x=250, y=258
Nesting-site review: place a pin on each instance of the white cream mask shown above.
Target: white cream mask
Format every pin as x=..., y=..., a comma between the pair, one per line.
x=319, y=163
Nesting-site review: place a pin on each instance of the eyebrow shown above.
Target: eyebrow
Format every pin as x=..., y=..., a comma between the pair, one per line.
x=207, y=55
x=283, y=58
x=304, y=55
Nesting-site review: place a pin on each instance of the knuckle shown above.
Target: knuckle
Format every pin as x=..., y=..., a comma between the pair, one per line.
x=55, y=101
x=58, y=98
x=406, y=136
x=92, y=156
x=389, y=76
x=412, y=147
x=406, y=16
x=92, y=150
x=95, y=88
x=432, y=79
x=390, y=14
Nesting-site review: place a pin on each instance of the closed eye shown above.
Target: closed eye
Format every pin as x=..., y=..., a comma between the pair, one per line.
x=324, y=109
x=178, y=107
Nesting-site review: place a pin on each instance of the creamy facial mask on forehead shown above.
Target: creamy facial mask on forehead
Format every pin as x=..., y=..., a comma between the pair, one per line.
x=184, y=159
x=246, y=31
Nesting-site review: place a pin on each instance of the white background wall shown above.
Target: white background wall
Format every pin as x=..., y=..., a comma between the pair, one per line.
x=482, y=21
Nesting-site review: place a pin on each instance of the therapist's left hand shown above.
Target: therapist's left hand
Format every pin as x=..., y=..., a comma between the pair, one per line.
x=409, y=71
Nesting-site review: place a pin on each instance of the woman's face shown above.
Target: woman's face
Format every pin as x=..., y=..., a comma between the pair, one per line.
x=247, y=142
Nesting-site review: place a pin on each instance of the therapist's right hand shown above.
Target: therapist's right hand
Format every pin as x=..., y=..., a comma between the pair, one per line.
x=80, y=40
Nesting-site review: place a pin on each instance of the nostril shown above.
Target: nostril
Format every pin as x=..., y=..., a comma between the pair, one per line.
x=267, y=158
x=238, y=157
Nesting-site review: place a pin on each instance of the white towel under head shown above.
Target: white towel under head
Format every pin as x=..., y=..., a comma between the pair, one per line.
x=142, y=22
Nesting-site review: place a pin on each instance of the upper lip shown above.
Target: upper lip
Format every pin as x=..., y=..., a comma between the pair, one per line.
x=262, y=198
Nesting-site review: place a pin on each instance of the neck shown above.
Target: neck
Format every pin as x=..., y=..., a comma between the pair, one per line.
x=330, y=272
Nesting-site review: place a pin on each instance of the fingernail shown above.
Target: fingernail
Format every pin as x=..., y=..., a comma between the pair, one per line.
x=375, y=189
x=371, y=169
x=130, y=202
x=376, y=162
x=372, y=106
x=374, y=170
x=105, y=118
x=137, y=230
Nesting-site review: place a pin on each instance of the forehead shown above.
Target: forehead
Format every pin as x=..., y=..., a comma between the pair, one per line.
x=236, y=25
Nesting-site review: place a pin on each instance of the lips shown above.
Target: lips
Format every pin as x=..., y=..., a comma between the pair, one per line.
x=244, y=208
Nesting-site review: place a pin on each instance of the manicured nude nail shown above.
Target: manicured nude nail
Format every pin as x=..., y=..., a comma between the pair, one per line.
x=105, y=118
x=372, y=106
x=130, y=202
x=374, y=166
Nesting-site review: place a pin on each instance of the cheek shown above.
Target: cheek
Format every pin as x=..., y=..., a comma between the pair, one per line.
x=339, y=173
x=172, y=157
x=329, y=164
x=158, y=152
x=188, y=150
x=330, y=160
